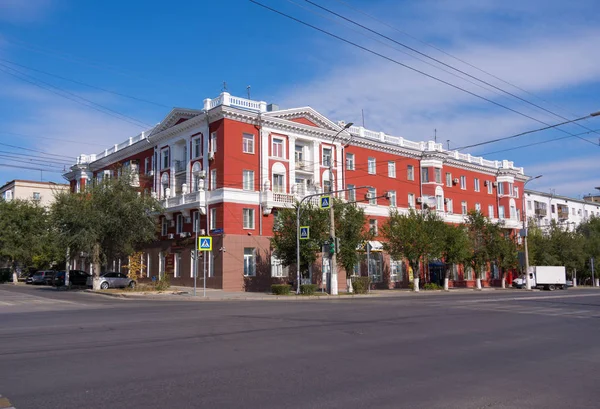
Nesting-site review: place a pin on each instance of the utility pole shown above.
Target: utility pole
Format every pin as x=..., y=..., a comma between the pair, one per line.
x=527, y=281
x=332, y=260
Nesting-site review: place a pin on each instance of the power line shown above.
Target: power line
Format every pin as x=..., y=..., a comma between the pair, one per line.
x=29, y=168
x=38, y=151
x=91, y=104
x=19, y=156
x=85, y=84
x=405, y=65
x=52, y=139
x=441, y=62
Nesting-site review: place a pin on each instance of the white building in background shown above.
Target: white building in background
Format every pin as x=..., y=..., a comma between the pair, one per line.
x=41, y=192
x=566, y=211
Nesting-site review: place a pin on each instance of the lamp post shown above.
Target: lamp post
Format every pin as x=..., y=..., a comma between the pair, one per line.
x=332, y=262
x=527, y=281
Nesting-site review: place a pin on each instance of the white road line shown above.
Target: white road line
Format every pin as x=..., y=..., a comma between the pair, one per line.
x=539, y=297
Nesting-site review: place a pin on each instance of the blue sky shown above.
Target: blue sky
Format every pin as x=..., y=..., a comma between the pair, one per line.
x=178, y=54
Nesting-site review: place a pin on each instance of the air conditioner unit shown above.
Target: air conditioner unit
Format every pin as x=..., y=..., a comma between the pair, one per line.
x=419, y=200
x=495, y=184
x=171, y=236
x=485, y=183
x=211, y=155
x=188, y=219
x=455, y=181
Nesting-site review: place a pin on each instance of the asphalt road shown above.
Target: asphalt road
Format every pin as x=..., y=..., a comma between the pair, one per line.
x=490, y=349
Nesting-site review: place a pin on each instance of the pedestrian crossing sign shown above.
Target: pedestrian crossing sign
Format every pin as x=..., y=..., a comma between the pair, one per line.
x=325, y=202
x=304, y=232
x=205, y=243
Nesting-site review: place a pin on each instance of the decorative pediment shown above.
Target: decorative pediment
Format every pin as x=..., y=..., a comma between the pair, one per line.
x=306, y=116
x=176, y=116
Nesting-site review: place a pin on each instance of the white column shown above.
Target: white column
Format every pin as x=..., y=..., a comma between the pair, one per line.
x=292, y=162
x=316, y=160
x=338, y=170
x=264, y=157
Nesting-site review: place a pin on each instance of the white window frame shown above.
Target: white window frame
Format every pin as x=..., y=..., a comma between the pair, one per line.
x=326, y=160
x=410, y=172
x=248, y=180
x=179, y=224
x=351, y=193
x=490, y=187
x=276, y=267
x=248, y=218
x=501, y=213
x=248, y=143
x=213, y=179
x=463, y=182
x=476, y=184
x=396, y=270
x=350, y=164
x=373, y=226
x=372, y=192
x=437, y=174
x=278, y=188
x=464, y=208
x=197, y=147
x=425, y=175
x=516, y=192
x=448, y=179
x=249, y=262
x=213, y=142
x=491, y=211
x=213, y=218
x=449, y=206
x=501, y=188
x=164, y=227
x=411, y=200
x=478, y=207
x=372, y=166
x=165, y=157
x=279, y=142
x=392, y=195
x=391, y=169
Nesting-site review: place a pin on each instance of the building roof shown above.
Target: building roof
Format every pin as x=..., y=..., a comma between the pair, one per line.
x=15, y=181
x=560, y=197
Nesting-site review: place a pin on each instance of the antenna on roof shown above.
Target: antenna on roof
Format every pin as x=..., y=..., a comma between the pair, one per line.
x=248, y=89
x=448, y=143
x=362, y=111
x=224, y=89
x=435, y=135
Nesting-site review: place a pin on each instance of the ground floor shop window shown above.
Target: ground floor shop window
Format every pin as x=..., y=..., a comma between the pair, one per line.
x=276, y=267
x=376, y=267
x=468, y=275
x=249, y=262
x=396, y=271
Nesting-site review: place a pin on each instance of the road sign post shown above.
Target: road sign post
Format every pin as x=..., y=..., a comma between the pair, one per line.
x=304, y=232
x=205, y=244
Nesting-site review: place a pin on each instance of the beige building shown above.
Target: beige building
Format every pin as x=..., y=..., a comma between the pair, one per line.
x=41, y=192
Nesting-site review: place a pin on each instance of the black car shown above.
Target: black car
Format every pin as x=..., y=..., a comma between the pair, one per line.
x=76, y=278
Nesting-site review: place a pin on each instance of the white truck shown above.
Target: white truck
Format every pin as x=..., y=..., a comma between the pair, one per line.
x=544, y=277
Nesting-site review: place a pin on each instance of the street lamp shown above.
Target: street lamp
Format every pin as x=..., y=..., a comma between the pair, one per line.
x=527, y=281
x=332, y=261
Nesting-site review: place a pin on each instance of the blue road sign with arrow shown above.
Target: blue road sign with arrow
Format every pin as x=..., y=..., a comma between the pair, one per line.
x=304, y=232
x=325, y=202
x=205, y=243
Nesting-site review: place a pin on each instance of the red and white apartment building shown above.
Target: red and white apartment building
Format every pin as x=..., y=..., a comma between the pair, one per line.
x=229, y=167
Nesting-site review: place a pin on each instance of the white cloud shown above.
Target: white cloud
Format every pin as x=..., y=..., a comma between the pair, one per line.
x=24, y=10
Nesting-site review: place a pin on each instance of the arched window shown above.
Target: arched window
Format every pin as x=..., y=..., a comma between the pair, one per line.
x=439, y=199
x=164, y=182
x=278, y=178
x=327, y=181
x=196, y=168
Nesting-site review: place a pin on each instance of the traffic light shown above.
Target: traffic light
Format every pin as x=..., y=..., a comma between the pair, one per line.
x=331, y=246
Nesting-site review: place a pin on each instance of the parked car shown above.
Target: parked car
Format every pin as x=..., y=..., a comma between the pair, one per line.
x=42, y=277
x=113, y=280
x=76, y=278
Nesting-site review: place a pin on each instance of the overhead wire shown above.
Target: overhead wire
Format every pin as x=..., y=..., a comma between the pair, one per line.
x=52, y=139
x=404, y=65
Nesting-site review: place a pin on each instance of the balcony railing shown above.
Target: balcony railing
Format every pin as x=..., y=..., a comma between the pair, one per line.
x=188, y=198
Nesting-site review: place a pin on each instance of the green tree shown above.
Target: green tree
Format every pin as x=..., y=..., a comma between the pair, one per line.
x=109, y=219
x=285, y=234
x=416, y=236
x=503, y=250
x=25, y=238
x=350, y=228
x=479, y=230
x=456, y=248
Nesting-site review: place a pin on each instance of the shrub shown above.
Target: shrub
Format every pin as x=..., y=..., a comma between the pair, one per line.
x=361, y=285
x=432, y=286
x=308, y=289
x=162, y=283
x=281, y=289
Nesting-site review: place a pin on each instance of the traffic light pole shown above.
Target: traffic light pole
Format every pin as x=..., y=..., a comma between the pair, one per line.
x=332, y=218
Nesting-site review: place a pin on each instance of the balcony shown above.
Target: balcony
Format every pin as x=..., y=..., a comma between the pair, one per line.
x=302, y=166
x=180, y=166
x=185, y=201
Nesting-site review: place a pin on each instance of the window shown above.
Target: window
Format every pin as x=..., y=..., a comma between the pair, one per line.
x=248, y=183
x=372, y=196
x=165, y=159
x=448, y=179
x=501, y=212
x=510, y=189
x=326, y=160
x=455, y=272
x=449, y=206
x=179, y=224
x=391, y=169
x=277, y=148
x=513, y=212
x=196, y=218
x=468, y=273
x=516, y=192
x=177, y=262
x=463, y=207
x=351, y=193
x=37, y=196
x=476, y=184
x=463, y=182
x=147, y=164
x=489, y=186
x=350, y=161
x=299, y=155
x=276, y=267
x=372, y=166
x=518, y=214
x=392, y=196
x=410, y=172
x=500, y=188
x=552, y=209
x=164, y=227
x=249, y=262
x=373, y=226
x=439, y=203
x=478, y=207
x=248, y=218
x=213, y=218
x=248, y=143
x=438, y=175
x=424, y=175
x=411, y=200
x=529, y=205
x=197, y=147
x=278, y=183
x=213, y=142
x=491, y=211
x=396, y=273
x=213, y=179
